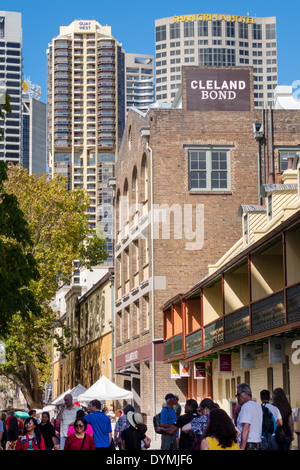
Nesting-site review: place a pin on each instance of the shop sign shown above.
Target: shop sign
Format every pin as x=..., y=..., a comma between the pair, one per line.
x=224, y=362
x=199, y=370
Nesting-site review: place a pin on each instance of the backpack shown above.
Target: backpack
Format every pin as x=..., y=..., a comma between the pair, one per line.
x=13, y=424
x=268, y=422
x=156, y=421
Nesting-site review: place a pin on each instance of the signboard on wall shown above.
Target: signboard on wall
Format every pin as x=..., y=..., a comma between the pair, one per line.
x=199, y=370
x=276, y=350
x=224, y=362
x=247, y=354
x=184, y=369
x=213, y=89
x=175, y=374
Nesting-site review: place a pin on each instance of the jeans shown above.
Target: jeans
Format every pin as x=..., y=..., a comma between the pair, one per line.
x=269, y=443
x=168, y=442
x=62, y=442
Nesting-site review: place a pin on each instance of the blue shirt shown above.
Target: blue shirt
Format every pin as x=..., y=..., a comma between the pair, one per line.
x=168, y=416
x=101, y=425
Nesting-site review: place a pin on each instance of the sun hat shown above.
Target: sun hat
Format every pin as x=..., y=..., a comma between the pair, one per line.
x=134, y=418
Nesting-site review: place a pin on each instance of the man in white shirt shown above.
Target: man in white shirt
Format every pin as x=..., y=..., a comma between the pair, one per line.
x=249, y=420
x=270, y=443
x=66, y=416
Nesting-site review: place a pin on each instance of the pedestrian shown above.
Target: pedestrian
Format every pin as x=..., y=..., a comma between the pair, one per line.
x=47, y=431
x=80, y=439
x=32, y=413
x=220, y=433
x=133, y=436
x=101, y=425
x=32, y=438
x=280, y=400
x=197, y=425
x=66, y=417
x=2, y=430
x=122, y=424
x=177, y=407
x=168, y=419
x=269, y=441
x=12, y=429
x=185, y=439
x=145, y=444
x=249, y=420
x=80, y=414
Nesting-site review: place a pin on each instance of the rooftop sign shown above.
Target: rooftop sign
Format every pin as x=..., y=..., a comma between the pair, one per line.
x=214, y=17
x=209, y=89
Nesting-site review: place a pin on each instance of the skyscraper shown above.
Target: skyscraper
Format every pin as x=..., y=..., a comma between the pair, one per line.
x=139, y=78
x=216, y=40
x=86, y=113
x=11, y=81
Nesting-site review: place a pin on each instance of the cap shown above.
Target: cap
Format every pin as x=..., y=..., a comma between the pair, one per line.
x=169, y=396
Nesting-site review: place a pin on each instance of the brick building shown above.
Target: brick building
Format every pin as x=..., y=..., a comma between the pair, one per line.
x=192, y=163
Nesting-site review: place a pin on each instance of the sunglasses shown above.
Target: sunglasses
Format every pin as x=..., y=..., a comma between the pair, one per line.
x=79, y=426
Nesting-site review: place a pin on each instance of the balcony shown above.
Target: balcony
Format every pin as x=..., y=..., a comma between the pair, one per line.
x=266, y=316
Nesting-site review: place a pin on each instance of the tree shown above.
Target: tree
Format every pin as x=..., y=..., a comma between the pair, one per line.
x=17, y=267
x=60, y=233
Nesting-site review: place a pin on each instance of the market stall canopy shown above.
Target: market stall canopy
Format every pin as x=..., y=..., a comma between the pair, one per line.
x=60, y=399
x=75, y=392
x=104, y=389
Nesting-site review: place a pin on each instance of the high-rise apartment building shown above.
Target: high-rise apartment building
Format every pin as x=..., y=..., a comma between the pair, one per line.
x=139, y=78
x=216, y=40
x=34, y=154
x=86, y=113
x=11, y=83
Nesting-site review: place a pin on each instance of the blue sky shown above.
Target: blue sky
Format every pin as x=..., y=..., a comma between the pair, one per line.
x=132, y=23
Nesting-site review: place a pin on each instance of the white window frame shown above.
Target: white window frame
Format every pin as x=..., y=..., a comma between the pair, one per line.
x=209, y=151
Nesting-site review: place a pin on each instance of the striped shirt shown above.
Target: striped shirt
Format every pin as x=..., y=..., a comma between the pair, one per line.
x=68, y=417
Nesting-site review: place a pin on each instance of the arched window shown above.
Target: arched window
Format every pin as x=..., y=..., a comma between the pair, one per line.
x=144, y=178
x=134, y=192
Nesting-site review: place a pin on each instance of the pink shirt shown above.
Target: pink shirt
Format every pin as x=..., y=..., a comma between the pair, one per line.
x=89, y=430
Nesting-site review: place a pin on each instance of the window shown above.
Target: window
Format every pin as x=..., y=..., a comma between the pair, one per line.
x=270, y=31
x=188, y=30
x=283, y=159
x=175, y=31
x=246, y=229
x=270, y=206
x=203, y=28
x=256, y=31
x=217, y=57
x=243, y=30
x=216, y=28
x=209, y=170
x=160, y=33
x=230, y=29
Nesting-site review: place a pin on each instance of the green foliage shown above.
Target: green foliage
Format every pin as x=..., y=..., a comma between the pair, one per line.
x=17, y=268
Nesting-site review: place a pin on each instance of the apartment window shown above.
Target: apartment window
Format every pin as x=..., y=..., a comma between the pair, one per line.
x=160, y=33
x=209, y=170
x=175, y=31
x=217, y=57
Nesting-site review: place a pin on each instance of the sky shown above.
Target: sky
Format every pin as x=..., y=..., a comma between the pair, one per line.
x=133, y=24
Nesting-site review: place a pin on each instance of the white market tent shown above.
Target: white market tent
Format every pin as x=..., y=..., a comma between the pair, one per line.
x=104, y=389
x=75, y=392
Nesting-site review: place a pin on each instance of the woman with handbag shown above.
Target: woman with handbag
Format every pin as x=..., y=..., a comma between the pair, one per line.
x=80, y=440
x=284, y=435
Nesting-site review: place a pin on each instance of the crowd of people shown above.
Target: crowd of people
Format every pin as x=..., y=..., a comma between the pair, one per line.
x=255, y=426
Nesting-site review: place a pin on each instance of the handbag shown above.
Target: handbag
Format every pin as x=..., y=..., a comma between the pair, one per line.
x=279, y=435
